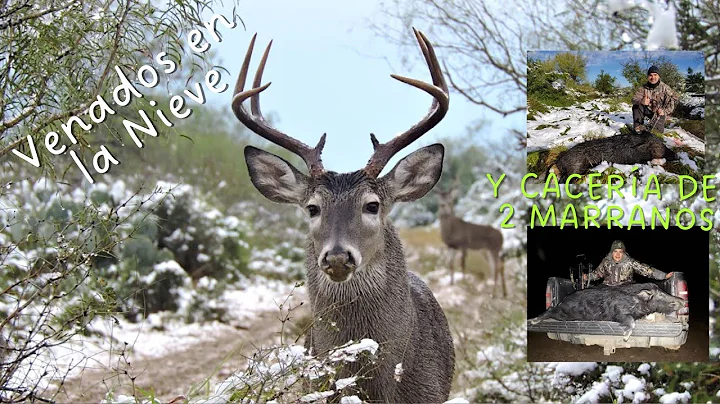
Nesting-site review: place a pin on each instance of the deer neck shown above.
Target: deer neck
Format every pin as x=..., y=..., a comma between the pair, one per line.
x=447, y=223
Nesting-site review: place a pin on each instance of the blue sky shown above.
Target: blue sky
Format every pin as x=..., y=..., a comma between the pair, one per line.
x=610, y=61
x=330, y=73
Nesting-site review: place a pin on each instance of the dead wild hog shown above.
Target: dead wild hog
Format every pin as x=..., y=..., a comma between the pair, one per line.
x=623, y=304
x=620, y=149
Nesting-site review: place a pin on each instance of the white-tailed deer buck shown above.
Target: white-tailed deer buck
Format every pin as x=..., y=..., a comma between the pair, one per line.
x=358, y=281
x=458, y=234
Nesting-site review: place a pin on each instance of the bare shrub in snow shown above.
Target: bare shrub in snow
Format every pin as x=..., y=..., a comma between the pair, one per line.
x=287, y=373
x=53, y=242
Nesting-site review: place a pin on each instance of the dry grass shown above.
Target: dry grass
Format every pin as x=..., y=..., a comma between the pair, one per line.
x=432, y=254
x=478, y=321
x=696, y=127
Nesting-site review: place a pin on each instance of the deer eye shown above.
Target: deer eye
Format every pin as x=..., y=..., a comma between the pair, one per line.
x=313, y=210
x=372, y=208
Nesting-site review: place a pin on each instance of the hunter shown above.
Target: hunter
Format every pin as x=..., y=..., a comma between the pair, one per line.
x=617, y=268
x=655, y=100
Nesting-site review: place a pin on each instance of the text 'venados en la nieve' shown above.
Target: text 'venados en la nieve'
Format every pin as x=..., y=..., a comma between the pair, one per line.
x=123, y=94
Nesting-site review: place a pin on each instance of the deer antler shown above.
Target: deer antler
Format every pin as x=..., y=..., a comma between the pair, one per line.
x=257, y=123
x=439, y=90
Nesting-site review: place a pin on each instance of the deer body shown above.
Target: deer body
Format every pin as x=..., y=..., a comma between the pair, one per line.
x=357, y=277
x=458, y=234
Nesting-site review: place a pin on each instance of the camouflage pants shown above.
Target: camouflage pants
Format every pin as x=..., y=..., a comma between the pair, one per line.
x=641, y=111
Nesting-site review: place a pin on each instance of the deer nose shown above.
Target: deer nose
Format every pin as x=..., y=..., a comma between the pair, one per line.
x=338, y=257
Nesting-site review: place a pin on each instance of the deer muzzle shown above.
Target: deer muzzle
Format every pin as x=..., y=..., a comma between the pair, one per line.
x=338, y=264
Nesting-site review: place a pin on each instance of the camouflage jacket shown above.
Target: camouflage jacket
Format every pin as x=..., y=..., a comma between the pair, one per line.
x=619, y=273
x=662, y=96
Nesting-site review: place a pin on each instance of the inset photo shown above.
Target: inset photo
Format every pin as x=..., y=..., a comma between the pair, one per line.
x=625, y=295
x=634, y=114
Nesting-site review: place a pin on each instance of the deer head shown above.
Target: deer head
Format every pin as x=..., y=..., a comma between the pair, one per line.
x=447, y=196
x=347, y=213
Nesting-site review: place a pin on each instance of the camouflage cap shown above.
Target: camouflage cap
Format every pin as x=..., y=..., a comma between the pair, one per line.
x=617, y=244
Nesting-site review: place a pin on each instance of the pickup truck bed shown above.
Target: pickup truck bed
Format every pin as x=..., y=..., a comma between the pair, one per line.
x=642, y=328
x=669, y=331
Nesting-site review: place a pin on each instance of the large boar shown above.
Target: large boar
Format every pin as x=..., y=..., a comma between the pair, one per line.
x=623, y=304
x=620, y=149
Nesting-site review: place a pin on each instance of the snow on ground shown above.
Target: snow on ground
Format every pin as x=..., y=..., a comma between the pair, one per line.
x=591, y=120
x=457, y=401
x=440, y=281
x=570, y=126
x=157, y=336
x=260, y=296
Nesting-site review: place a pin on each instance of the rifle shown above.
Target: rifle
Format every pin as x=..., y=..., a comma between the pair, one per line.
x=657, y=122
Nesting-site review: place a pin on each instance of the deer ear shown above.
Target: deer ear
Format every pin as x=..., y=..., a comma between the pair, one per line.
x=274, y=177
x=416, y=174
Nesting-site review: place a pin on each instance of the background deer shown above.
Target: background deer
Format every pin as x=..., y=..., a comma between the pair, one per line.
x=358, y=281
x=458, y=234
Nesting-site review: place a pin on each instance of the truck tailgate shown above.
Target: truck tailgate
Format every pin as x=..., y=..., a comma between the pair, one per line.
x=642, y=329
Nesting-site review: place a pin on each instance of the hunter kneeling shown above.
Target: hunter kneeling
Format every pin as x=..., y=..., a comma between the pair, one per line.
x=655, y=100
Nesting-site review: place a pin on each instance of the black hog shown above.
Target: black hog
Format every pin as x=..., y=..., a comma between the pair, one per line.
x=623, y=304
x=620, y=149
x=632, y=288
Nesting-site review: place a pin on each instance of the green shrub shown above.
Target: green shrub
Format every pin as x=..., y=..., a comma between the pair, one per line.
x=535, y=106
x=540, y=88
x=543, y=126
x=203, y=240
x=605, y=83
x=532, y=159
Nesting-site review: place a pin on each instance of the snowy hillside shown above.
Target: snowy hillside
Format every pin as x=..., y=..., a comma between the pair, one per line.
x=564, y=127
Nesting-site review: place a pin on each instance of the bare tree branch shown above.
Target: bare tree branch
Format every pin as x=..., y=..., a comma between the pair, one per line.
x=483, y=45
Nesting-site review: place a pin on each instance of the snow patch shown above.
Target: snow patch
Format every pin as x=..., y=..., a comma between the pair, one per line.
x=573, y=368
x=675, y=397
x=342, y=383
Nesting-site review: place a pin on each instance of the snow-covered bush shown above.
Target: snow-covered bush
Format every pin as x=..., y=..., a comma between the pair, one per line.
x=690, y=107
x=160, y=289
x=145, y=247
x=204, y=241
x=51, y=242
x=289, y=374
x=501, y=374
x=203, y=302
x=411, y=215
x=285, y=262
